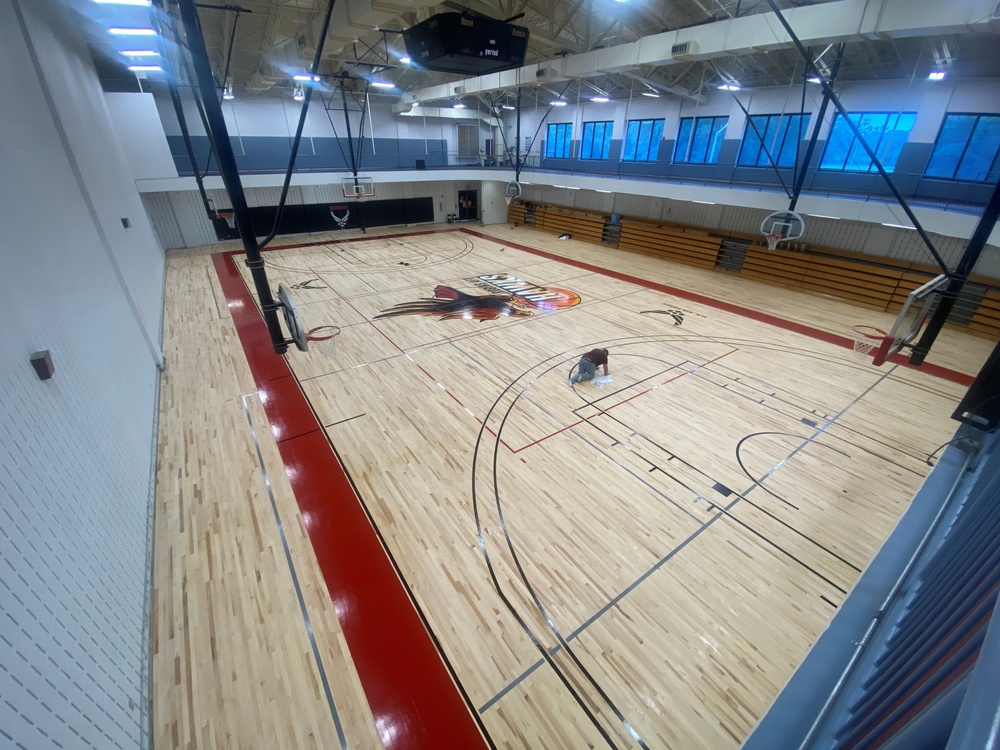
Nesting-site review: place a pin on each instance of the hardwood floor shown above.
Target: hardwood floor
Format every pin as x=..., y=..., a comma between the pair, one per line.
x=645, y=562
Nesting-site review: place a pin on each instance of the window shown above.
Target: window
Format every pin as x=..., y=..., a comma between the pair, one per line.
x=781, y=134
x=885, y=133
x=699, y=139
x=468, y=140
x=596, y=142
x=642, y=140
x=557, y=145
x=967, y=149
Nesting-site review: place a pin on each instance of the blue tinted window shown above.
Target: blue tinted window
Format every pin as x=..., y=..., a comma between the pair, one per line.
x=596, y=142
x=885, y=133
x=967, y=149
x=781, y=137
x=642, y=140
x=559, y=141
x=700, y=139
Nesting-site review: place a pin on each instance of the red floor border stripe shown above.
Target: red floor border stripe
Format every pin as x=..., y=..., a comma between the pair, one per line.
x=788, y=325
x=414, y=699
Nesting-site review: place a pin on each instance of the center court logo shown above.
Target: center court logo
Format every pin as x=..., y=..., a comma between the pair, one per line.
x=516, y=298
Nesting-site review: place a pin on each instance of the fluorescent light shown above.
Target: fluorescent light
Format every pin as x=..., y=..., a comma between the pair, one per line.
x=729, y=87
x=458, y=105
x=707, y=203
x=936, y=75
x=301, y=78
x=383, y=84
x=119, y=31
x=139, y=53
x=814, y=79
x=651, y=94
x=600, y=99
x=601, y=191
x=123, y=2
x=897, y=226
x=824, y=216
x=558, y=103
x=405, y=60
x=507, y=106
x=145, y=68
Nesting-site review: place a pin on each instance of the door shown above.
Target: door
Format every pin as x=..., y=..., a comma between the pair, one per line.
x=468, y=205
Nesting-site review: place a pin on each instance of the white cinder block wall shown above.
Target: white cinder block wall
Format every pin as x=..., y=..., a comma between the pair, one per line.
x=75, y=451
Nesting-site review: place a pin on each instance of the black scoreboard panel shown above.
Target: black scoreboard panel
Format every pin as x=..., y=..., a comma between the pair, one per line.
x=459, y=43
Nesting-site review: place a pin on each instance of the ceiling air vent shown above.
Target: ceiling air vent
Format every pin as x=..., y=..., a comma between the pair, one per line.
x=683, y=50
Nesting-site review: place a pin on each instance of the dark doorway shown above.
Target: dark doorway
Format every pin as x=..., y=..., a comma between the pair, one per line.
x=468, y=205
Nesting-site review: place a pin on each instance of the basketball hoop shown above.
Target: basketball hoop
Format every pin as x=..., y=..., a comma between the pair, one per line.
x=773, y=240
x=324, y=339
x=228, y=216
x=781, y=226
x=866, y=338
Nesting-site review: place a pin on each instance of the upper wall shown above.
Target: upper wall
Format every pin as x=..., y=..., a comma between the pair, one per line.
x=76, y=450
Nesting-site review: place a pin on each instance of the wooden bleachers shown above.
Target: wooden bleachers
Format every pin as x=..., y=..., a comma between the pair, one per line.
x=685, y=245
x=580, y=225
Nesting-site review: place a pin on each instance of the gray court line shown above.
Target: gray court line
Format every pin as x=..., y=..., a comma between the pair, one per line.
x=659, y=564
x=295, y=581
x=211, y=286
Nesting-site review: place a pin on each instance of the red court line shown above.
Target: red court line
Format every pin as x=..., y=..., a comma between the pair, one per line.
x=831, y=338
x=413, y=698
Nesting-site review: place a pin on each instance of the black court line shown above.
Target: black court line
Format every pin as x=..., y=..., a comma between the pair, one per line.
x=333, y=424
x=295, y=583
x=660, y=563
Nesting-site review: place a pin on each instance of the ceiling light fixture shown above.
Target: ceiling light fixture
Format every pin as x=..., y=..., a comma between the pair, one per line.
x=600, y=99
x=383, y=84
x=139, y=53
x=144, y=68
x=119, y=31
x=651, y=94
x=227, y=93
x=302, y=77
x=458, y=105
x=729, y=87
x=814, y=79
x=558, y=103
x=507, y=106
x=405, y=60
x=145, y=3
x=936, y=75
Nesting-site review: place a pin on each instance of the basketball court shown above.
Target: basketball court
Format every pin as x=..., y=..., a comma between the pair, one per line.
x=637, y=563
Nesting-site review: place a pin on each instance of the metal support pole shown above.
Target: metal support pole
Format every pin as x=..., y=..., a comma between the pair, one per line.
x=828, y=90
x=299, y=128
x=968, y=262
x=821, y=115
x=219, y=135
x=517, y=139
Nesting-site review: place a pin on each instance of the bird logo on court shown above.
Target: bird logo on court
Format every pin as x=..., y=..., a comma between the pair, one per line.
x=677, y=315
x=450, y=304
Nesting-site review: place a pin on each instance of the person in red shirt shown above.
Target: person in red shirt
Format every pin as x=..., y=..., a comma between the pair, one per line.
x=587, y=367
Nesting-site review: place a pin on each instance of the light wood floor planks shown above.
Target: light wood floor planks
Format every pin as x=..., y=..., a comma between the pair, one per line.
x=659, y=554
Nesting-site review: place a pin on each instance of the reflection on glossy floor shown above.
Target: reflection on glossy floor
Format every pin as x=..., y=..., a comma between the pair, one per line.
x=645, y=562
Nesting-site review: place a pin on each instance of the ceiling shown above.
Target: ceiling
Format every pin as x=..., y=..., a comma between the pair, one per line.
x=272, y=40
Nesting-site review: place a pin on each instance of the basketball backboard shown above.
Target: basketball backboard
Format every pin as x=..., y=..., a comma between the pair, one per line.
x=358, y=187
x=911, y=319
x=781, y=226
x=292, y=320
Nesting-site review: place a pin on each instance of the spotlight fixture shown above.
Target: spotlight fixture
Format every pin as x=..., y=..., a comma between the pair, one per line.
x=120, y=31
x=936, y=75
x=298, y=93
x=227, y=92
x=600, y=99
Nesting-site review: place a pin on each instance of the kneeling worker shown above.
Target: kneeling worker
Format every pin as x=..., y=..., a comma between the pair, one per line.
x=587, y=366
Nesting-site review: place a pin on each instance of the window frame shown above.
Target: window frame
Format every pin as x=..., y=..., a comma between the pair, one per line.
x=791, y=128
x=607, y=132
x=994, y=165
x=551, y=141
x=692, y=134
x=850, y=153
x=653, y=142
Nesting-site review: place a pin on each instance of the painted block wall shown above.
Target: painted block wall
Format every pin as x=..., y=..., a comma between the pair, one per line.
x=75, y=451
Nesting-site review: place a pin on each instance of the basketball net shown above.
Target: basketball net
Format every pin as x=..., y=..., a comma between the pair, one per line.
x=866, y=338
x=229, y=217
x=508, y=198
x=324, y=340
x=773, y=240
